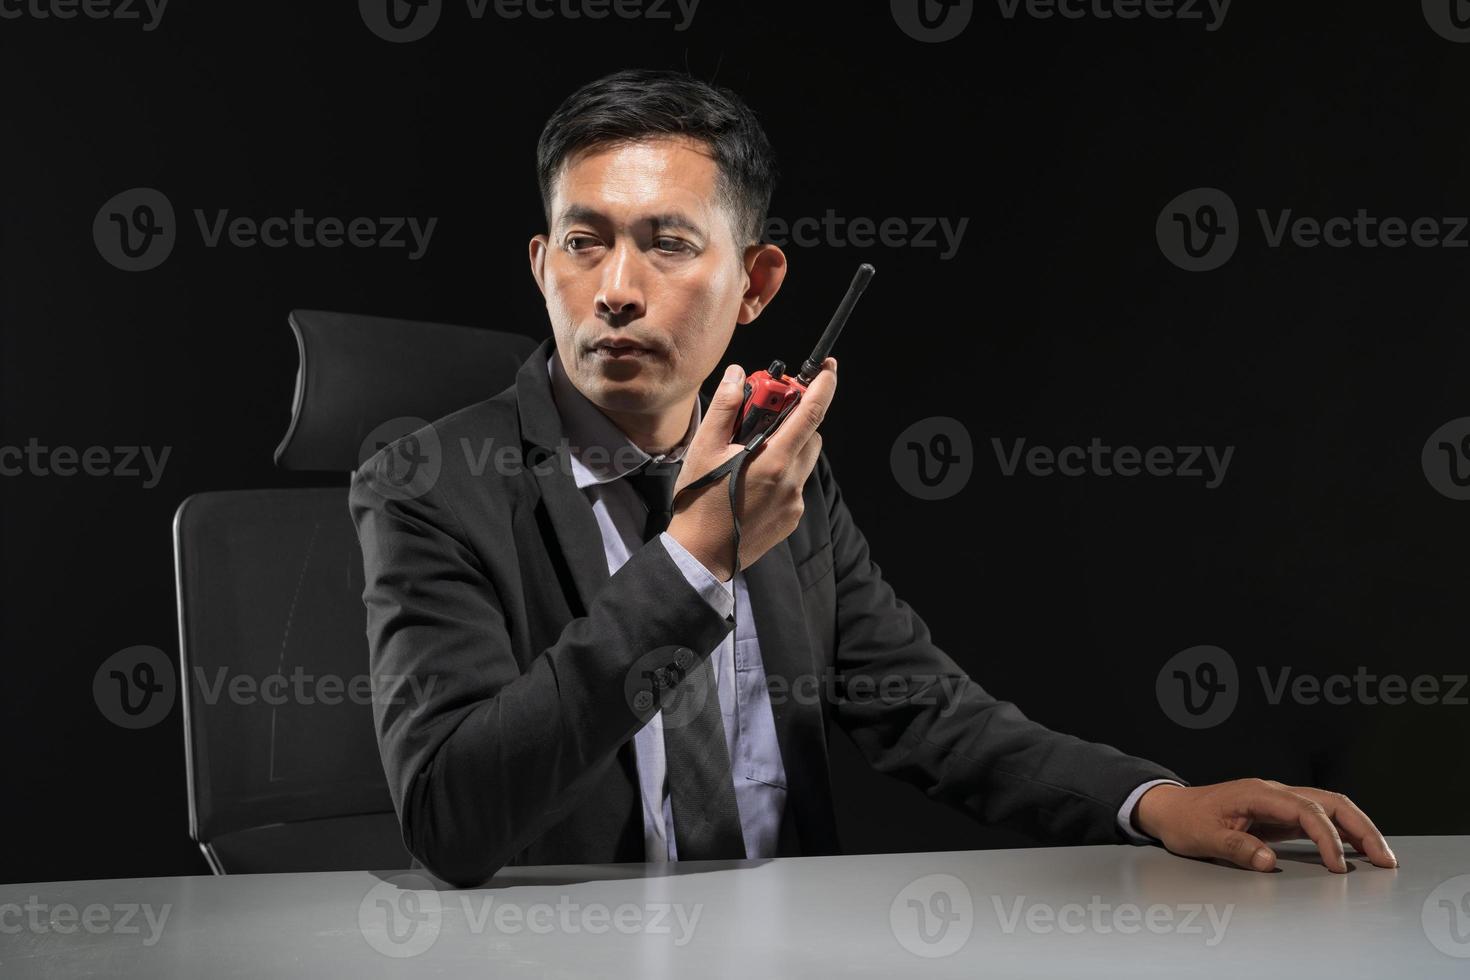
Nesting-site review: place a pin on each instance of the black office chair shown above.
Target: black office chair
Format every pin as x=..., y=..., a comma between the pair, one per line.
x=283, y=767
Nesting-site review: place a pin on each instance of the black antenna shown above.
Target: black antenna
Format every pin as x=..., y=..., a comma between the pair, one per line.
x=813, y=364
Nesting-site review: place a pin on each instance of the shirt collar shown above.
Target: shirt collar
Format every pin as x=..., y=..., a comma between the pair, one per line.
x=586, y=428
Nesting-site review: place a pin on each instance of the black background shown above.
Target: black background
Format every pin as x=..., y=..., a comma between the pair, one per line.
x=1058, y=320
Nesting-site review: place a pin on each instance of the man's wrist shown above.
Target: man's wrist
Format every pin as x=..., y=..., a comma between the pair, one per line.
x=718, y=565
x=1150, y=814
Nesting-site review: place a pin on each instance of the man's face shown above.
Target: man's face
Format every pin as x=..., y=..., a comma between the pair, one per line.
x=642, y=251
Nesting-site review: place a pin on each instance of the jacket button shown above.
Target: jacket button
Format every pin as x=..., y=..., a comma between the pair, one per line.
x=683, y=659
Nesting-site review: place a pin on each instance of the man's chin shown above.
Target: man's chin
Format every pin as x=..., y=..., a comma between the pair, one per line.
x=624, y=397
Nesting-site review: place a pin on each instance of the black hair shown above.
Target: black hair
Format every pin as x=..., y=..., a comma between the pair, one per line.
x=636, y=104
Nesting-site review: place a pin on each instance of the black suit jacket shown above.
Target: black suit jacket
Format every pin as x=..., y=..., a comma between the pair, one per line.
x=491, y=590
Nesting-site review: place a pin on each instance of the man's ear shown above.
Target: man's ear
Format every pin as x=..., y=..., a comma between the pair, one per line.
x=540, y=246
x=765, y=267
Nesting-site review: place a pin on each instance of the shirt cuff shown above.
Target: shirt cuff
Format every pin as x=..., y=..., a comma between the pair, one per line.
x=1125, y=812
x=720, y=595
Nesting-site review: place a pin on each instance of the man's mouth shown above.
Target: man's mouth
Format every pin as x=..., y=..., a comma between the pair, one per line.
x=621, y=351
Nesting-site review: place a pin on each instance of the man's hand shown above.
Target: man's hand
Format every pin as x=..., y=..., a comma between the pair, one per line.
x=771, y=484
x=1212, y=822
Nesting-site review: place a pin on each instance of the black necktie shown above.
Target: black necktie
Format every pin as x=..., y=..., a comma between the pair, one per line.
x=701, y=791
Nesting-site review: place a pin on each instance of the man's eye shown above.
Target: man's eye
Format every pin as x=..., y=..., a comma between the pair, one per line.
x=578, y=243
x=671, y=245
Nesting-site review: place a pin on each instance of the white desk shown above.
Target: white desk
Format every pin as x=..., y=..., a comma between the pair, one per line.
x=1046, y=912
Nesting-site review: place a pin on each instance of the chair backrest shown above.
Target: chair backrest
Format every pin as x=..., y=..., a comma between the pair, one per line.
x=273, y=658
x=283, y=766
x=360, y=372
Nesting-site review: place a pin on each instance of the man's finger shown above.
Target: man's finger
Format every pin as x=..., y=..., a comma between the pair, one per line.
x=1357, y=829
x=1285, y=807
x=809, y=412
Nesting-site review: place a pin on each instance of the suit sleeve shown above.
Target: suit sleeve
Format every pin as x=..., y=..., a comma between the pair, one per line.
x=915, y=715
x=481, y=756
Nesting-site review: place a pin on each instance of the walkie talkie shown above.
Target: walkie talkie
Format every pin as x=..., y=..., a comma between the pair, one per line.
x=770, y=395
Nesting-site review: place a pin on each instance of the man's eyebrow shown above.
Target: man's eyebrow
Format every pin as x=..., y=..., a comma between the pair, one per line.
x=670, y=220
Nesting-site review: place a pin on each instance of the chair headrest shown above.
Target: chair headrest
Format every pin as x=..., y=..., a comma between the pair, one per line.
x=358, y=373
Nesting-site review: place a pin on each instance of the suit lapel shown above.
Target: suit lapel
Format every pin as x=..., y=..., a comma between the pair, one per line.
x=570, y=513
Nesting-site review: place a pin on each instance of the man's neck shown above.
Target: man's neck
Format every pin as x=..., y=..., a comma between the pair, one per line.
x=655, y=434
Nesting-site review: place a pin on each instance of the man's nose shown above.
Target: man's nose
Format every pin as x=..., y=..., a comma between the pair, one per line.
x=620, y=296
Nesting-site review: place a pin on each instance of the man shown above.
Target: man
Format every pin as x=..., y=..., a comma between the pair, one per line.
x=608, y=684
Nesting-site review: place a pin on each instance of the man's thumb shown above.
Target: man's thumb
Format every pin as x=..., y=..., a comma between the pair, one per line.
x=724, y=407
x=1242, y=849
